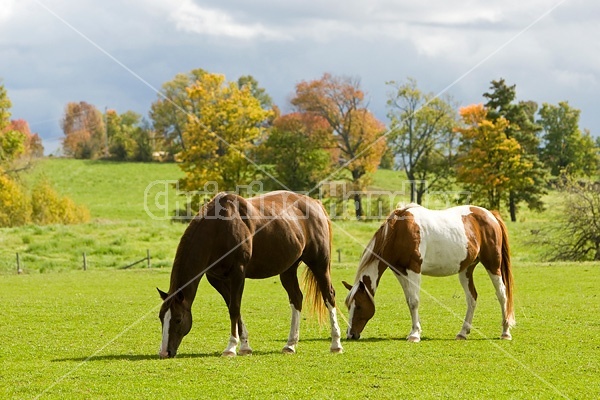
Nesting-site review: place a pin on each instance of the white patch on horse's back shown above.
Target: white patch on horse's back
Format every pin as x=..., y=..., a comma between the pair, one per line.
x=165, y=333
x=444, y=241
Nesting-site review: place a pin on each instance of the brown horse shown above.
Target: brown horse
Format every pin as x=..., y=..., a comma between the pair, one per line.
x=414, y=241
x=232, y=239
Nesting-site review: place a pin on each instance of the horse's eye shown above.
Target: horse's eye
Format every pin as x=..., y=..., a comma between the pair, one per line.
x=177, y=321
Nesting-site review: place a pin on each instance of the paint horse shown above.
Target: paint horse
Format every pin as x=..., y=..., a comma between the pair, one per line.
x=415, y=241
x=232, y=239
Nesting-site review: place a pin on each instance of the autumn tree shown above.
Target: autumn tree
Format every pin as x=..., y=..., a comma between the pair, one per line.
x=170, y=112
x=522, y=127
x=299, y=148
x=83, y=127
x=33, y=143
x=358, y=134
x=221, y=135
x=422, y=137
x=565, y=149
x=490, y=164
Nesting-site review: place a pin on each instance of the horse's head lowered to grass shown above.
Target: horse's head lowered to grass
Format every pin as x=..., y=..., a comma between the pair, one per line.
x=176, y=319
x=361, y=306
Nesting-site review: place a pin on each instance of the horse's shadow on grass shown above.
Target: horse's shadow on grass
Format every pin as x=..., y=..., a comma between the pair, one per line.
x=150, y=357
x=217, y=354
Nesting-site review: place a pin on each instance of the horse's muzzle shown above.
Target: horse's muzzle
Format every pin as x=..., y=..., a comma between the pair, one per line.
x=353, y=336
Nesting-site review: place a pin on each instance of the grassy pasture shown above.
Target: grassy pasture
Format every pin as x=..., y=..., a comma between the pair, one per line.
x=95, y=334
x=67, y=333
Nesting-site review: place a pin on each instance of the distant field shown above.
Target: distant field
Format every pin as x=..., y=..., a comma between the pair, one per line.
x=67, y=333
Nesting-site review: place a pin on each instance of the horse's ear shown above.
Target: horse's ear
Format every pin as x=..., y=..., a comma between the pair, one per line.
x=347, y=285
x=163, y=295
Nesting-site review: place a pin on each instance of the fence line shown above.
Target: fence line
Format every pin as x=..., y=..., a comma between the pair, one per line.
x=85, y=263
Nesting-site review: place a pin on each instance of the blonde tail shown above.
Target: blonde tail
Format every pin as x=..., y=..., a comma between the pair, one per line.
x=314, y=297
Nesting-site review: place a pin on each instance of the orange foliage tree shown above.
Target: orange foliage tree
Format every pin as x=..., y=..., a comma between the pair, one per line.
x=490, y=163
x=357, y=132
x=85, y=135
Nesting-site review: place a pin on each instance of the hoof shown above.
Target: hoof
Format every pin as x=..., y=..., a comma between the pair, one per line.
x=413, y=339
x=246, y=352
x=338, y=350
x=506, y=336
x=288, y=350
x=228, y=354
x=460, y=337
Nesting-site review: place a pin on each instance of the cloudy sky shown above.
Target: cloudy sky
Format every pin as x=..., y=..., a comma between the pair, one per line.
x=117, y=54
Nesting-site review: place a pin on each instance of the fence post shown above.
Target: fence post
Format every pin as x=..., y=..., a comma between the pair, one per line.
x=84, y=262
x=148, y=256
x=339, y=251
x=19, y=270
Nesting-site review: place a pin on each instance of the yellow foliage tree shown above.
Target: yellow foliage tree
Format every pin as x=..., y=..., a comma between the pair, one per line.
x=490, y=164
x=221, y=133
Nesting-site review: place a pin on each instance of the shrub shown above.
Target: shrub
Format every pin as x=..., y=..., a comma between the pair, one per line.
x=15, y=207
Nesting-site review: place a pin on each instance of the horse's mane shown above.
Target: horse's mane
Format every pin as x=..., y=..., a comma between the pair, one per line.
x=380, y=239
x=206, y=209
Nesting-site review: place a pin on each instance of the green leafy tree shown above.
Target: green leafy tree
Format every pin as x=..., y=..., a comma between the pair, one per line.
x=522, y=127
x=422, y=137
x=220, y=137
x=128, y=137
x=565, y=149
x=490, y=164
x=358, y=134
x=298, y=147
x=259, y=93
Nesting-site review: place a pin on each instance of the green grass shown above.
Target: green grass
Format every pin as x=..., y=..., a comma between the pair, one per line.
x=67, y=333
x=95, y=334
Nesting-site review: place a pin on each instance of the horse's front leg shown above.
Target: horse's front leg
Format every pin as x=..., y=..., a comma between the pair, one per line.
x=466, y=280
x=411, y=285
x=237, y=288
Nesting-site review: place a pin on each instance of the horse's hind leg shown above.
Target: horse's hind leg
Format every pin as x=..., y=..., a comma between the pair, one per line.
x=466, y=280
x=321, y=275
x=501, y=295
x=289, y=280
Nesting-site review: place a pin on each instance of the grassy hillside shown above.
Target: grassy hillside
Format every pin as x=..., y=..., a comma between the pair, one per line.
x=130, y=204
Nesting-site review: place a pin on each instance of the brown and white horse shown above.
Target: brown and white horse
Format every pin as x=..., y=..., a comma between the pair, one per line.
x=415, y=241
x=232, y=239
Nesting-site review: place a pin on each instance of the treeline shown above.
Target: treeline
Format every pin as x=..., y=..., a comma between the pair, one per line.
x=504, y=151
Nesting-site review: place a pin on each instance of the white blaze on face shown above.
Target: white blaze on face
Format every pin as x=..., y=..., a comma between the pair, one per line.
x=165, y=334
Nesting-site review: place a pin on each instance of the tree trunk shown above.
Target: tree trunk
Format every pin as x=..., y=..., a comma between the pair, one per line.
x=512, y=206
x=358, y=205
